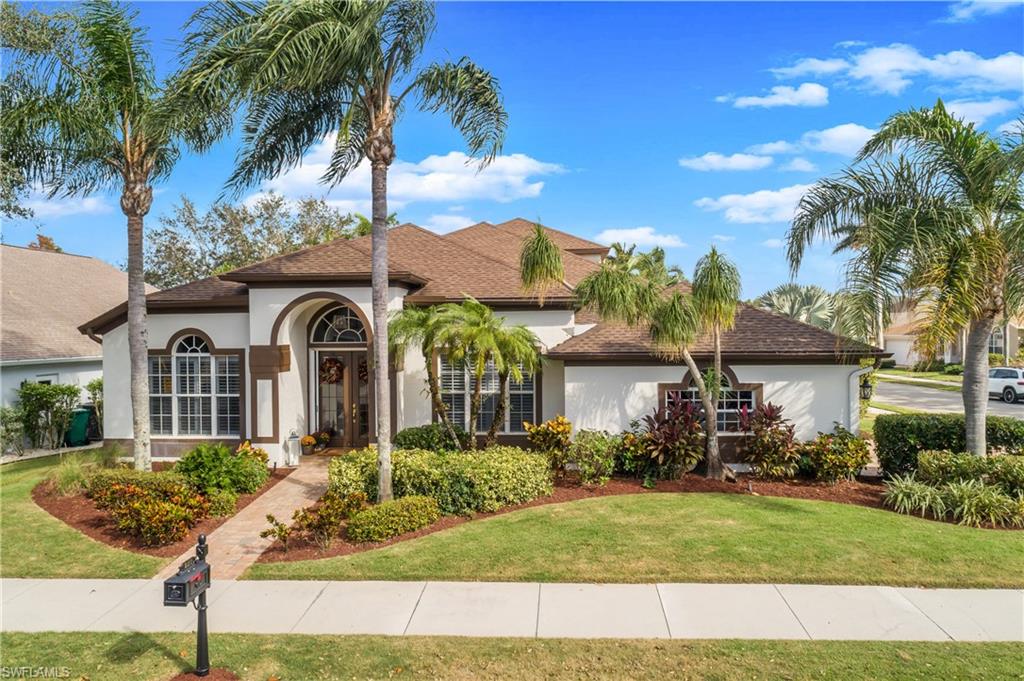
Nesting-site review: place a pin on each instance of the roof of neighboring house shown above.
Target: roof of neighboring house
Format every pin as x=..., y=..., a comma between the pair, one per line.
x=46, y=296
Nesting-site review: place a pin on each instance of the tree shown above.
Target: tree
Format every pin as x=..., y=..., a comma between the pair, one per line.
x=83, y=112
x=13, y=189
x=945, y=231
x=364, y=225
x=808, y=304
x=45, y=243
x=305, y=69
x=190, y=245
x=540, y=264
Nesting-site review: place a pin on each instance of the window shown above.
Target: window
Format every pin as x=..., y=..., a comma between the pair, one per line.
x=730, y=403
x=194, y=392
x=996, y=342
x=457, y=389
x=339, y=325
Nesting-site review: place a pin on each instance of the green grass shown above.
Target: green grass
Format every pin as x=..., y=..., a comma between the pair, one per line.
x=159, y=656
x=931, y=375
x=950, y=387
x=689, y=538
x=895, y=408
x=35, y=544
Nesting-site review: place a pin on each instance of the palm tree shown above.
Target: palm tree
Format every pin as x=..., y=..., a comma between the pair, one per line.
x=808, y=304
x=306, y=69
x=83, y=112
x=517, y=346
x=540, y=263
x=946, y=231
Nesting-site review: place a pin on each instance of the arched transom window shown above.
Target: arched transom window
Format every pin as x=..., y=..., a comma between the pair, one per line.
x=194, y=391
x=731, y=402
x=339, y=325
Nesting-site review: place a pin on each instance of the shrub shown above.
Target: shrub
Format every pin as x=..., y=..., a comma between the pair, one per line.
x=104, y=485
x=393, y=518
x=434, y=436
x=108, y=456
x=322, y=522
x=46, y=412
x=771, y=445
x=838, y=455
x=905, y=494
x=996, y=359
x=212, y=466
x=95, y=390
x=70, y=476
x=553, y=434
x=928, y=365
x=673, y=440
x=12, y=431
x=153, y=518
x=222, y=502
x=953, y=369
x=247, y=450
x=972, y=502
x=278, y=531
x=1002, y=470
x=461, y=482
x=888, y=364
x=900, y=437
x=593, y=452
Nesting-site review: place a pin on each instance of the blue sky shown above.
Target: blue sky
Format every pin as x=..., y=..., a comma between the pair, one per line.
x=680, y=124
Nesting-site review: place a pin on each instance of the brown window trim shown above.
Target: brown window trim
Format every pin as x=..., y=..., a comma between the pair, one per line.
x=756, y=388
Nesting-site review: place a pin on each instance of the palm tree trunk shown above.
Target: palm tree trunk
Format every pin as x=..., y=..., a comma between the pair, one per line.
x=499, y=411
x=379, y=282
x=474, y=407
x=135, y=202
x=435, y=396
x=712, y=457
x=975, y=385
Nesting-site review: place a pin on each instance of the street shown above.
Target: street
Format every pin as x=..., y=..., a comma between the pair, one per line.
x=930, y=399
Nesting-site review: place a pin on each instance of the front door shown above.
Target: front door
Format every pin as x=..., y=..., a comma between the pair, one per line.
x=341, y=402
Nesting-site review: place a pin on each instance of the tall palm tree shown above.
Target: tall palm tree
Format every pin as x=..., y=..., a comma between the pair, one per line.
x=83, y=111
x=808, y=304
x=307, y=69
x=947, y=232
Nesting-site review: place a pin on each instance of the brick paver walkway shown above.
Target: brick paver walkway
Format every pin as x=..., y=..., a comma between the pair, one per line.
x=237, y=544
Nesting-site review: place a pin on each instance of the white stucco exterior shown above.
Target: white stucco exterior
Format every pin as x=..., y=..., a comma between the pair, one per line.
x=77, y=371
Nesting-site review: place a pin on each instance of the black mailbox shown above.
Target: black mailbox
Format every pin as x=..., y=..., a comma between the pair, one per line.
x=193, y=578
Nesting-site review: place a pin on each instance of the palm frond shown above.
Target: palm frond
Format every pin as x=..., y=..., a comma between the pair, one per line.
x=540, y=264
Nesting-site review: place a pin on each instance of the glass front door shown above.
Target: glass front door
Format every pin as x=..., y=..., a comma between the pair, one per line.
x=342, y=398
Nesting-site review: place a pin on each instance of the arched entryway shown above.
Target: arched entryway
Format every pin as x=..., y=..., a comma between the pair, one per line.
x=340, y=387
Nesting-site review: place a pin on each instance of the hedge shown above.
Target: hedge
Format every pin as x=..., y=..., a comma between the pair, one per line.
x=1003, y=470
x=392, y=518
x=900, y=437
x=461, y=482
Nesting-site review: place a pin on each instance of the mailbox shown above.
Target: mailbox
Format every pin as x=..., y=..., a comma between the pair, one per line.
x=193, y=578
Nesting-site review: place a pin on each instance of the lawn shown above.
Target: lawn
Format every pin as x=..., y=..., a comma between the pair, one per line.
x=160, y=656
x=931, y=375
x=35, y=544
x=689, y=538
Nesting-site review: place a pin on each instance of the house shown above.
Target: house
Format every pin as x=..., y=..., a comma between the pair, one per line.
x=281, y=348
x=1006, y=339
x=46, y=295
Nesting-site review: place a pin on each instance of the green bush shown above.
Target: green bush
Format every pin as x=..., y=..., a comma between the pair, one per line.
x=392, y=518
x=953, y=369
x=322, y=522
x=105, y=484
x=212, y=466
x=222, y=502
x=593, y=452
x=900, y=437
x=461, y=482
x=12, y=431
x=46, y=412
x=673, y=439
x=928, y=365
x=838, y=455
x=70, y=476
x=433, y=436
x=996, y=359
x=972, y=502
x=1003, y=470
x=888, y=364
x=905, y=494
x=771, y=448
x=156, y=521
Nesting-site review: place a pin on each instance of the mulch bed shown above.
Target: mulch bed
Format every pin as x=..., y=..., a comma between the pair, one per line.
x=81, y=513
x=846, y=492
x=216, y=674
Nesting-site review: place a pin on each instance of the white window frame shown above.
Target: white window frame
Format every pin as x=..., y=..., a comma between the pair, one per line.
x=997, y=342
x=213, y=395
x=468, y=381
x=729, y=394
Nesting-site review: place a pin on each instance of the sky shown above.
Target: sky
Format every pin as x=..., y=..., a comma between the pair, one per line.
x=683, y=125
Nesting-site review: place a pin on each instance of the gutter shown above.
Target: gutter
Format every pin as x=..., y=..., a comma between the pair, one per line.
x=50, y=360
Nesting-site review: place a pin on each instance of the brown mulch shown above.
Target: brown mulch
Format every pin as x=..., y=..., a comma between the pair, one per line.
x=81, y=513
x=847, y=492
x=216, y=674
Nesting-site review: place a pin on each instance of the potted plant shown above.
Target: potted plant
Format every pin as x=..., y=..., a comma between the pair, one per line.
x=307, y=442
x=322, y=438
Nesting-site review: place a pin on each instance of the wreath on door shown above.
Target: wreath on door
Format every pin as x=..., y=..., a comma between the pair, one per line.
x=331, y=370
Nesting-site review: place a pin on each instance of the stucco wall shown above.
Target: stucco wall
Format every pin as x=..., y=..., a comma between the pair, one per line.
x=902, y=350
x=68, y=373
x=608, y=397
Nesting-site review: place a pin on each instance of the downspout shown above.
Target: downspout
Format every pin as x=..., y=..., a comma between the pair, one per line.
x=859, y=371
x=92, y=336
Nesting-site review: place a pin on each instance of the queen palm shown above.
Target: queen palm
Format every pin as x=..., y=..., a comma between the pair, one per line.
x=340, y=73
x=83, y=111
x=946, y=231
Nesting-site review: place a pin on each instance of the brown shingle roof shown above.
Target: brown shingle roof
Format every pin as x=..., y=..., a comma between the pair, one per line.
x=757, y=335
x=45, y=297
x=570, y=242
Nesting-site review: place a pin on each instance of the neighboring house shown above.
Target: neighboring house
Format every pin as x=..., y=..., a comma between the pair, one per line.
x=280, y=348
x=1006, y=339
x=45, y=297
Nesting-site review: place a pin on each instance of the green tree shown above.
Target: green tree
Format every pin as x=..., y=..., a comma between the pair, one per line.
x=808, y=304
x=190, y=245
x=304, y=69
x=83, y=111
x=945, y=230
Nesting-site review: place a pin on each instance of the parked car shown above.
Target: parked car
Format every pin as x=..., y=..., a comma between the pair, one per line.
x=1006, y=383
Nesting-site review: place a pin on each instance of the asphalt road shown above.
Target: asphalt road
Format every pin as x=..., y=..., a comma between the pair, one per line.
x=930, y=399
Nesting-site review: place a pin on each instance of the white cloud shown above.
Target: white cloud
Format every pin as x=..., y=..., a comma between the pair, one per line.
x=968, y=10
x=847, y=44
x=807, y=94
x=980, y=111
x=772, y=243
x=845, y=139
x=453, y=177
x=723, y=238
x=812, y=67
x=766, y=205
x=641, y=236
x=1013, y=126
x=715, y=161
x=44, y=208
x=780, y=147
x=799, y=164
x=442, y=224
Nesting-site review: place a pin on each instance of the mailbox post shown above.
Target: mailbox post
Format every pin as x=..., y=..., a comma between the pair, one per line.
x=189, y=585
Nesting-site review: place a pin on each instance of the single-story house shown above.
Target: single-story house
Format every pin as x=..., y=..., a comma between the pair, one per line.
x=46, y=295
x=282, y=348
x=1006, y=339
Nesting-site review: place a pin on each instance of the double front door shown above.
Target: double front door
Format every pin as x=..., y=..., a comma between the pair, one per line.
x=341, y=398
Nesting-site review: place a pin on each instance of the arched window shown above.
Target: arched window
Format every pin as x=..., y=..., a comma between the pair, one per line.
x=339, y=325
x=731, y=400
x=194, y=391
x=192, y=345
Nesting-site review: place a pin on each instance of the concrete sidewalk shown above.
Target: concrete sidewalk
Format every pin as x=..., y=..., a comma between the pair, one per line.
x=688, y=611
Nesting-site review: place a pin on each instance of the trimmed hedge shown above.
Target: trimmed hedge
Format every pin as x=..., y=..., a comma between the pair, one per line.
x=900, y=437
x=433, y=436
x=392, y=518
x=104, y=484
x=461, y=482
x=1003, y=470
